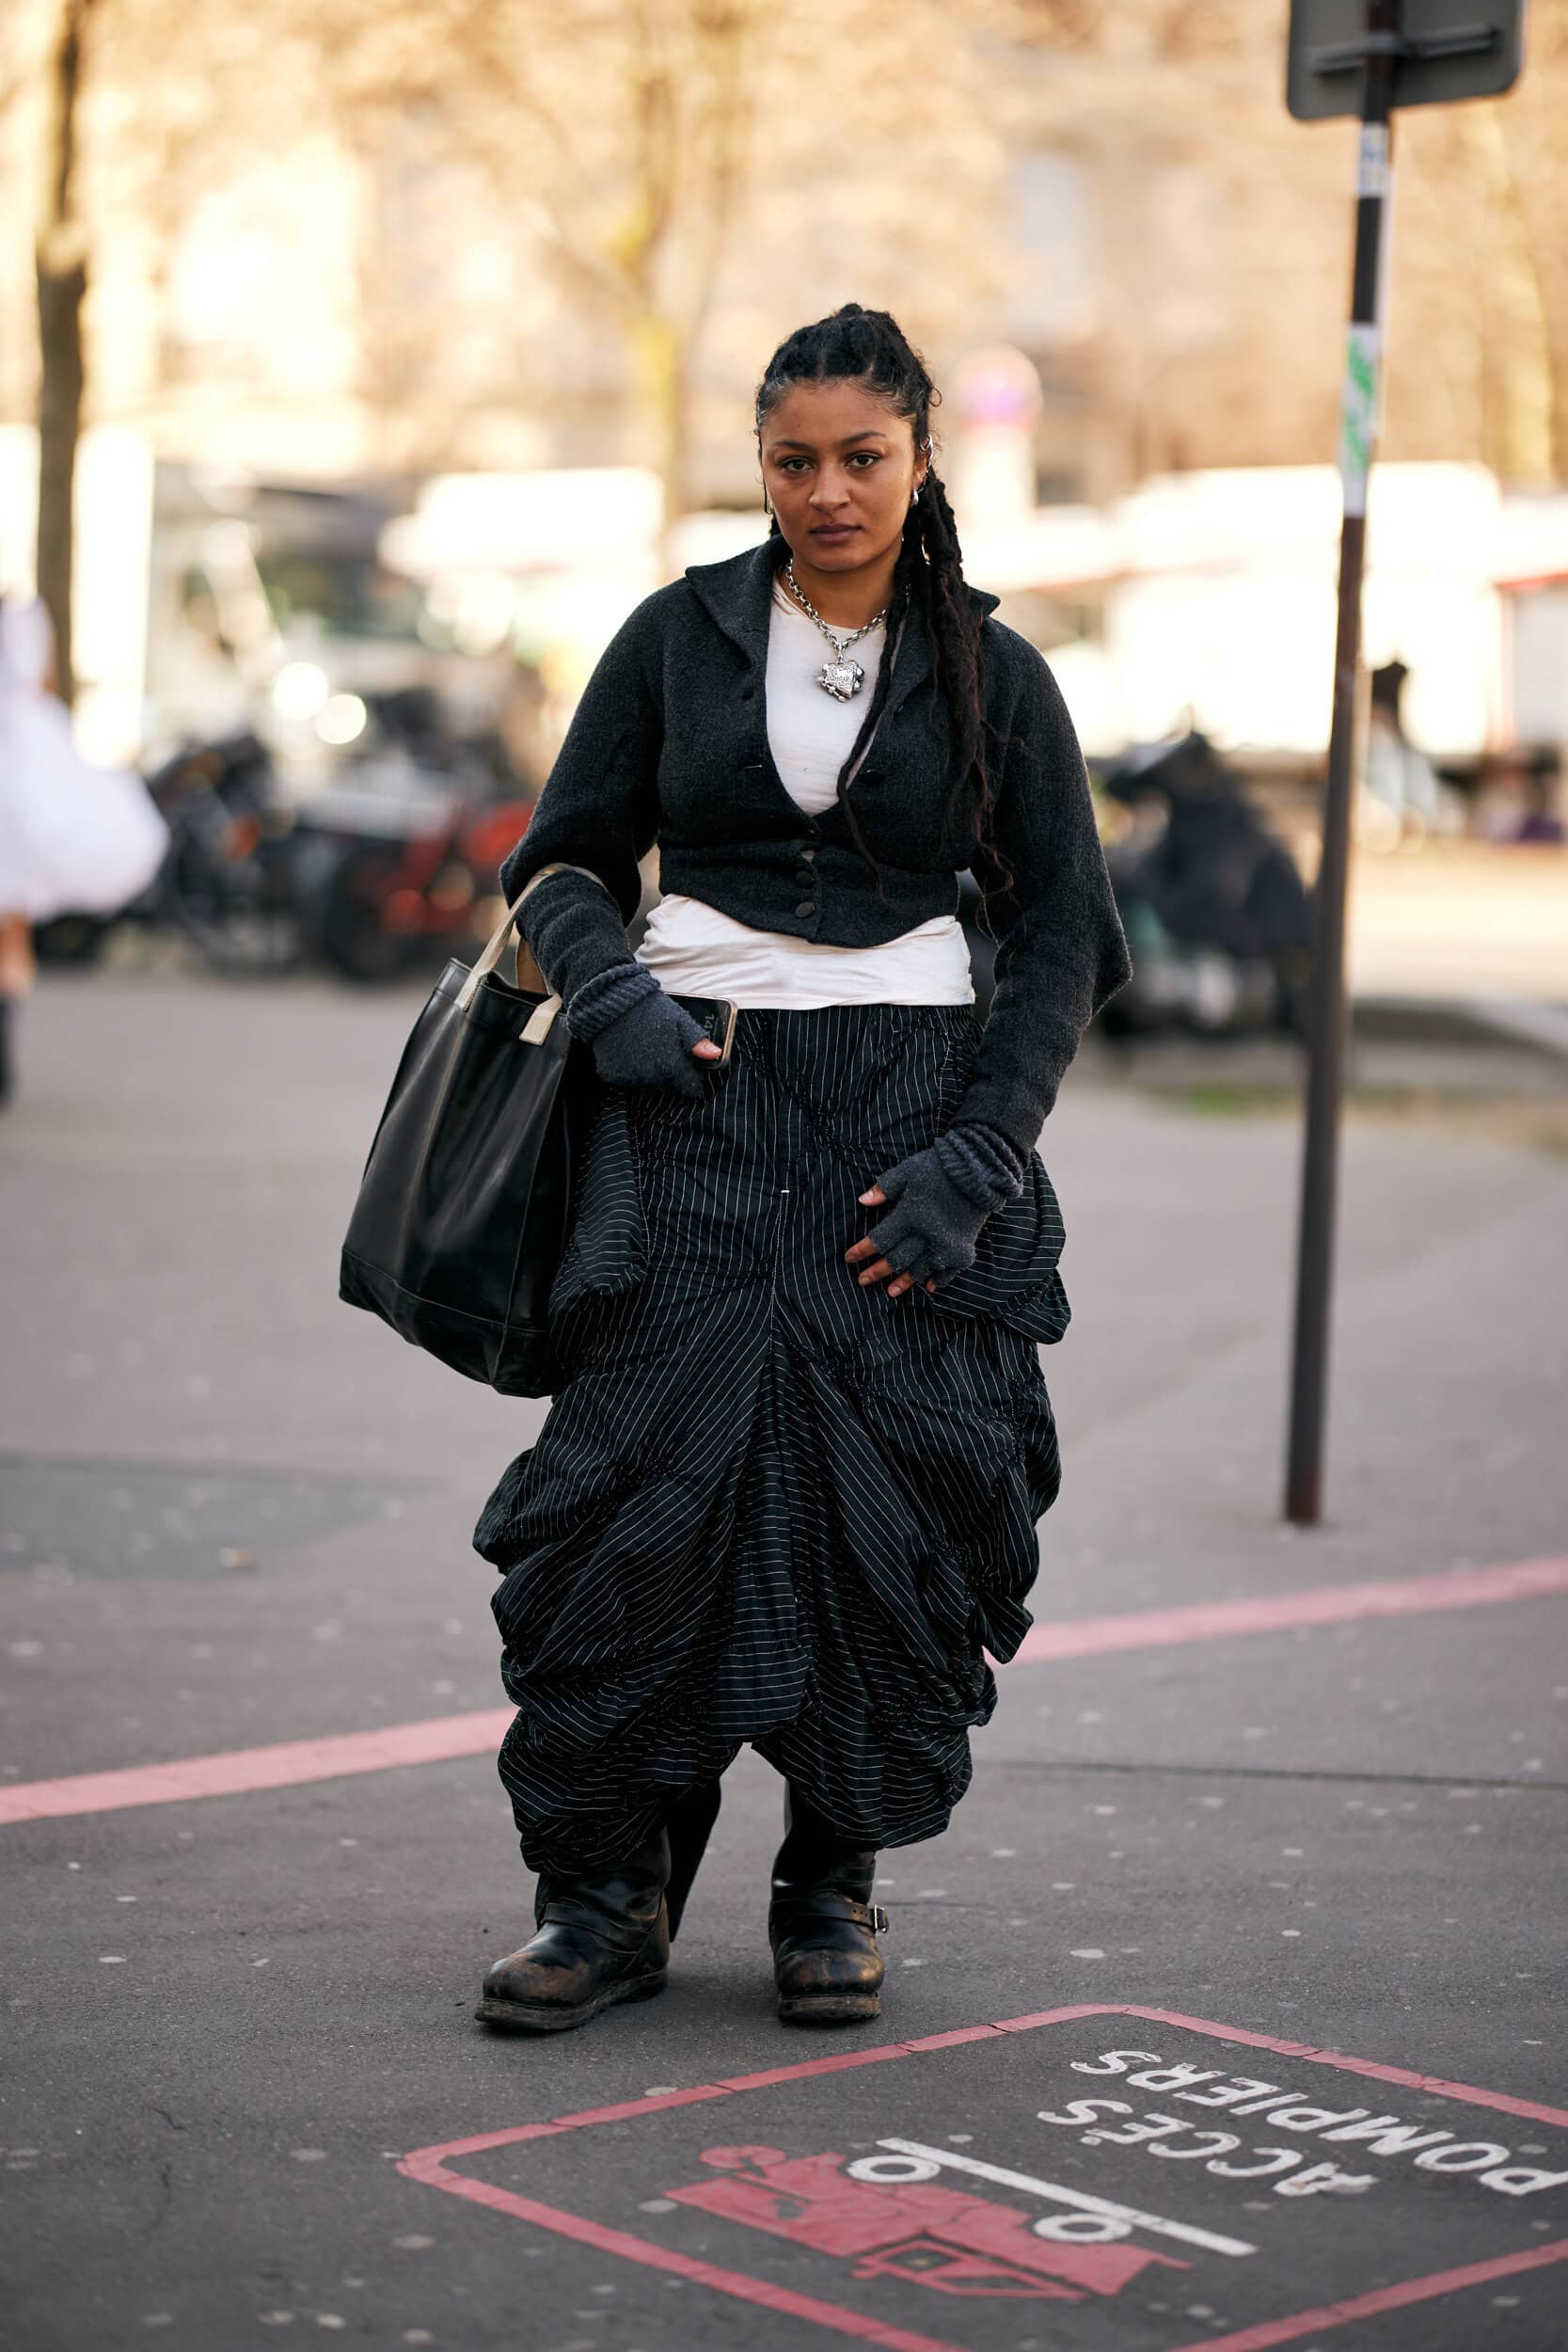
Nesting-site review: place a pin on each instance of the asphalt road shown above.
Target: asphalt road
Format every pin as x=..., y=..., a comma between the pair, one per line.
x=1266, y=1898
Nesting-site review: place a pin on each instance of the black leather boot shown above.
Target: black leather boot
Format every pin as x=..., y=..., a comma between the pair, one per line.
x=822, y=1923
x=603, y=1936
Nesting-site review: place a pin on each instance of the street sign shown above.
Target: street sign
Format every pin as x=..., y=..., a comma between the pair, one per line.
x=1444, y=50
x=1363, y=57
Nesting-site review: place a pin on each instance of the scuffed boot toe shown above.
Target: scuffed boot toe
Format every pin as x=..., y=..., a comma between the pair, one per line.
x=603, y=1936
x=561, y=1978
x=827, y=1969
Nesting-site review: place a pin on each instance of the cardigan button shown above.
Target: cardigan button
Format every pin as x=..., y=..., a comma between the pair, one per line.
x=807, y=906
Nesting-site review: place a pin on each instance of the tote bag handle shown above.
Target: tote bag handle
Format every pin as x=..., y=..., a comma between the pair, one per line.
x=529, y=974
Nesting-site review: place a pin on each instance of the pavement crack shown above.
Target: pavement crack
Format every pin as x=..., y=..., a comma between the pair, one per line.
x=166, y=2198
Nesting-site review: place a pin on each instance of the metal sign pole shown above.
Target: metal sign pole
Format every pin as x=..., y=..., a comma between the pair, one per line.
x=1326, y=1055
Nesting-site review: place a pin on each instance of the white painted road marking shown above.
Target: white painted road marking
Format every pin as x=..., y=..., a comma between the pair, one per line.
x=1208, y=2239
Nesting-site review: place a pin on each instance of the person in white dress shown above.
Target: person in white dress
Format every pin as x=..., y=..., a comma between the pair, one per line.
x=73, y=837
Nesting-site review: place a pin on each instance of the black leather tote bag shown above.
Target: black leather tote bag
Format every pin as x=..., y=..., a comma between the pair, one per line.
x=465, y=1198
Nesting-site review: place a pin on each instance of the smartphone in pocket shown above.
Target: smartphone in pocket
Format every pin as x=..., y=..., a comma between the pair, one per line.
x=720, y=1026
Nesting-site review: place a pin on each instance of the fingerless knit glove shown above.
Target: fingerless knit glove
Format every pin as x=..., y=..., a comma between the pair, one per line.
x=640, y=1036
x=941, y=1197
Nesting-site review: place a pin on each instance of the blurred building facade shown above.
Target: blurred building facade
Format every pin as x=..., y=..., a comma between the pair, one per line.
x=357, y=251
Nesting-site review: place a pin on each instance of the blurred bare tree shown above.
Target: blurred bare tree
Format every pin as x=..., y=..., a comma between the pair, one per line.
x=636, y=150
x=60, y=267
x=1221, y=339
x=614, y=134
x=550, y=198
x=1487, y=269
x=113, y=140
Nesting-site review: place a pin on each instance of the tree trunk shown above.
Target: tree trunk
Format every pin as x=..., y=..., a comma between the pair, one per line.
x=61, y=266
x=660, y=375
x=1524, y=406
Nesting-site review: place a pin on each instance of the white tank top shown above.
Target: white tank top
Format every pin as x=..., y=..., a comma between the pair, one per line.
x=695, y=952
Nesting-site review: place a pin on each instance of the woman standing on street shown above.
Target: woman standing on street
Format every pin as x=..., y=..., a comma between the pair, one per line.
x=787, y=1489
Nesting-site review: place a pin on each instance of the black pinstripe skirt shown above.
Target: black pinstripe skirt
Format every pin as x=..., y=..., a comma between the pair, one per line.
x=766, y=1503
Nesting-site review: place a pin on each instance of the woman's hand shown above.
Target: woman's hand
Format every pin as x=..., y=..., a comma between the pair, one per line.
x=939, y=1201
x=640, y=1036
x=878, y=1270
x=655, y=1045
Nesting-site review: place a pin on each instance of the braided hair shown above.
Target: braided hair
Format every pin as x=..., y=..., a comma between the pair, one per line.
x=869, y=348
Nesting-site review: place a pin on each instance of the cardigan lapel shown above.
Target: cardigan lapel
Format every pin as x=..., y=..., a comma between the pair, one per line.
x=736, y=594
x=916, y=658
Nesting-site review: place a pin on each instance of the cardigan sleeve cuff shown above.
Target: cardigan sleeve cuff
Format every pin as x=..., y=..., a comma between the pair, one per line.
x=574, y=927
x=1014, y=1105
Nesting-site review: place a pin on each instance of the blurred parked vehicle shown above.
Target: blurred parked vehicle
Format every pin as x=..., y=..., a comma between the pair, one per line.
x=396, y=858
x=227, y=883
x=1218, y=920
x=399, y=854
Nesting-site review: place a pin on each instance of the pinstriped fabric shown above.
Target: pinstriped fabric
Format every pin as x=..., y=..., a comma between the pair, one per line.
x=767, y=1504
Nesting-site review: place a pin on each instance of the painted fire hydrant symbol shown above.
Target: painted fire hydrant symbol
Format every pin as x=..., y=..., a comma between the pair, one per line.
x=883, y=2213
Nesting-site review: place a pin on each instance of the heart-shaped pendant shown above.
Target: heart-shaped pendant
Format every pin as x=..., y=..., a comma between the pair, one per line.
x=841, y=679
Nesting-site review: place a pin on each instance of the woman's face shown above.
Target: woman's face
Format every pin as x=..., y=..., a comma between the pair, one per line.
x=840, y=469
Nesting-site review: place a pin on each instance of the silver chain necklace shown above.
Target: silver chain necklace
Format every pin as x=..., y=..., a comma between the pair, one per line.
x=840, y=678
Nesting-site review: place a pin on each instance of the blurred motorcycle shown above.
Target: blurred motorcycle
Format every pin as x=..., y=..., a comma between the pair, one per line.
x=399, y=856
x=1217, y=917
x=226, y=883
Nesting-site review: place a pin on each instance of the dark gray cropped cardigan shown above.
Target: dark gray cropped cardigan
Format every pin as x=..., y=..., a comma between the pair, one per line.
x=670, y=744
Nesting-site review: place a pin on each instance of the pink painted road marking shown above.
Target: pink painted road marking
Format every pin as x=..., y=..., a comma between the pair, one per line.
x=430, y=2167
x=440, y=1738
x=239, y=1770
x=1271, y=2331
x=1274, y=1612
x=606, y=2240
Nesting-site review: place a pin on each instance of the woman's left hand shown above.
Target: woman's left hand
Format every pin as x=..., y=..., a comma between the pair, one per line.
x=880, y=1269
x=938, y=1200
